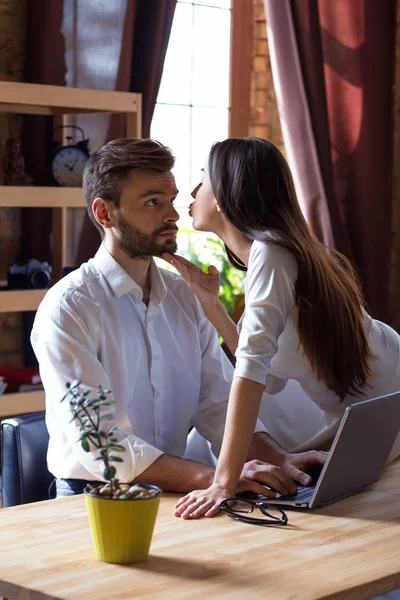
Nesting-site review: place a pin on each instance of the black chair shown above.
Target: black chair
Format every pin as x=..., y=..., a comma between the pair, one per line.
x=24, y=474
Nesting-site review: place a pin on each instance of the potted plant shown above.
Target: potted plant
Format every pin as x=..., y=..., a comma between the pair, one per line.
x=121, y=515
x=203, y=251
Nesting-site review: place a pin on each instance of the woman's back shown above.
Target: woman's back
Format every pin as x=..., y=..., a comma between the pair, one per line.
x=269, y=348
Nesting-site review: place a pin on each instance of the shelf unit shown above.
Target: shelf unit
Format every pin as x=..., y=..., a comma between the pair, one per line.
x=58, y=102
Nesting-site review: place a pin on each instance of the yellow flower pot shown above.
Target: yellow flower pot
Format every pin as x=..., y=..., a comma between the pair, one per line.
x=122, y=529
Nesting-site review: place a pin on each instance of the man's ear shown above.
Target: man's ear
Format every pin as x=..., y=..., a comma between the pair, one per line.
x=103, y=211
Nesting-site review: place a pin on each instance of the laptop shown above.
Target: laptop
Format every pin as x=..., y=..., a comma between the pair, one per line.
x=357, y=456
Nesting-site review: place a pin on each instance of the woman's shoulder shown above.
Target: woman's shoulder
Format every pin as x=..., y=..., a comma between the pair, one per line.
x=273, y=255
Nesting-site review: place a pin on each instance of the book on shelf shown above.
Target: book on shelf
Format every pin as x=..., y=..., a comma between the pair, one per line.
x=20, y=375
x=30, y=387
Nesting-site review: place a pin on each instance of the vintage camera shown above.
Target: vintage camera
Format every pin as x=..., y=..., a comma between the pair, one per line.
x=29, y=275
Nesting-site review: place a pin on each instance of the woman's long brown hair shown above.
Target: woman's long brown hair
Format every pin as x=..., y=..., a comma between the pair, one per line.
x=253, y=185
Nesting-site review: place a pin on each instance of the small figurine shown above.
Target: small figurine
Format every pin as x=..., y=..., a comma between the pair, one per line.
x=14, y=165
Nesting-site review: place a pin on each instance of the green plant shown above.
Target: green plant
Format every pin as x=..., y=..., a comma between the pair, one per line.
x=86, y=411
x=203, y=252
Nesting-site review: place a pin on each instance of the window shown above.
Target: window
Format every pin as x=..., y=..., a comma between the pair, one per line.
x=192, y=109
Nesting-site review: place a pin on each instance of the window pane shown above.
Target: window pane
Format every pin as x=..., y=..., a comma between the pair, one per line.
x=176, y=79
x=209, y=125
x=171, y=126
x=211, y=56
x=185, y=225
x=218, y=3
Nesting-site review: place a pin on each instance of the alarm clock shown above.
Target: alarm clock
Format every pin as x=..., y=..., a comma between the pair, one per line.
x=67, y=162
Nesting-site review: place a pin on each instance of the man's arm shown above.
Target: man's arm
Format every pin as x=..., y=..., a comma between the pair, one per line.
x=263, y=447
x=180, y=475
x=66, y=351
x=296, y=466
x=217, y=374
x=216, y=381
x=174, y=474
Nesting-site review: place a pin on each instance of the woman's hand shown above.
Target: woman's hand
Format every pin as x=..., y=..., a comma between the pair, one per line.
x=257, y=477
x=201, y=503
x=204, y=285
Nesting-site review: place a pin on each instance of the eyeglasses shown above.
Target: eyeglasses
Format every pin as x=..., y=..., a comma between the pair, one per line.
x=239, y=509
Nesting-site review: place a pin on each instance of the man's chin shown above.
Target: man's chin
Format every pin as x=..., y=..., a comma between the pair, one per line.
x=151, y=249
x=170, y=246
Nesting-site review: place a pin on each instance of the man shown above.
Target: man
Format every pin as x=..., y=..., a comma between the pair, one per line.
x=121, y=322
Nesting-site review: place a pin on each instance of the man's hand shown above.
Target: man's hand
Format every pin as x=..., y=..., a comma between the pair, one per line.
x=300, y=467
x=257, y=474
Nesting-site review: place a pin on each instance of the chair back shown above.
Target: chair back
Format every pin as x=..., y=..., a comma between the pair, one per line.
x=24, y=474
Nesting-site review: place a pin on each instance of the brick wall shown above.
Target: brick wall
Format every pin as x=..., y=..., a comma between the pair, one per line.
x=12, y=51
x=264, y=116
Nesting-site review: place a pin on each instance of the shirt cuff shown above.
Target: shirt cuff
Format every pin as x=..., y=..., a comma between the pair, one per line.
x=250, y=369
x=259, y=428
x=138, y=457
x=275, y=384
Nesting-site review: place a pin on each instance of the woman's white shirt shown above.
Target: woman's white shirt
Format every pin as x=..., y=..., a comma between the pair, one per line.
x=269, y=349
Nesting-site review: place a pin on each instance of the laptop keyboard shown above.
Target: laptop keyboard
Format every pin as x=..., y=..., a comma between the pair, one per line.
x=304, y=492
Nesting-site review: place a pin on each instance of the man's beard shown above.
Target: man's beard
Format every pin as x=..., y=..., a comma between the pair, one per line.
x=136, y=243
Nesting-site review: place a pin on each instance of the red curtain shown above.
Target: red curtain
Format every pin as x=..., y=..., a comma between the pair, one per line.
x=57, y=50
x=145, y=39
x=152, y=27
x=44, y=63
x=333, y=66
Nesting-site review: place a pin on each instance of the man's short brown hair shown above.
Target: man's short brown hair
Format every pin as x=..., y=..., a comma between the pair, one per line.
x=108, y=168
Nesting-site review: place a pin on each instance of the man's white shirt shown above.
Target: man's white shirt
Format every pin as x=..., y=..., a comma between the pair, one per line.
x=163, y=363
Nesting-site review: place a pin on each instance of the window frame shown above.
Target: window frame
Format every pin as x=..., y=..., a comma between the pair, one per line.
x=240, y=67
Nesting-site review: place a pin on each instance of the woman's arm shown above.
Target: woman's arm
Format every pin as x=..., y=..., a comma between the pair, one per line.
x=222, y=322
x=241, y=417
x=244, y=404
x=206, y=288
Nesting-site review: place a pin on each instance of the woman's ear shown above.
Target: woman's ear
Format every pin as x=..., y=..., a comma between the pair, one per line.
x=103, y=213
x=217, y=206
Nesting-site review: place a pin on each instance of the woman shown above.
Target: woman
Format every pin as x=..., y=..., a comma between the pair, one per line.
x=304, y=315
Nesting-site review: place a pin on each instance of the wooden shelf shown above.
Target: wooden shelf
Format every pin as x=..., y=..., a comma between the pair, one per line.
x=21, y=403
x=20, y=300
x=42, y=197
x=31, y=98
x=58, y=102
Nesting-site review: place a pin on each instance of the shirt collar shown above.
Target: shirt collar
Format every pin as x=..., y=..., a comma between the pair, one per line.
x=121, y=283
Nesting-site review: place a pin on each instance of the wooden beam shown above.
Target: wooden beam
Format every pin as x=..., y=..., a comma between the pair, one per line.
x=25, y=109
x=64, y=100
x=44, y=197
x=59, y=215
x=134, y=124
x=28, y=109
x=59, y=243
x=21, y=403
x=20, y=300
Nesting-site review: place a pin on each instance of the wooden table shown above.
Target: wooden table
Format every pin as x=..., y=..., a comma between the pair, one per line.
x=349, y=550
